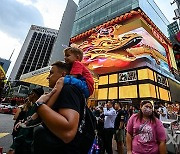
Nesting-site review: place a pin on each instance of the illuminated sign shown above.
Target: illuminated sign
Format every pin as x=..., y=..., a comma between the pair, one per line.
x=157, y=35
x=127, y=76
x=161, y=79
x=108, y=50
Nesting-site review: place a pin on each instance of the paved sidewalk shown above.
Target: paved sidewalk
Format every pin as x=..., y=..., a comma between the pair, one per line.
x=115, y=148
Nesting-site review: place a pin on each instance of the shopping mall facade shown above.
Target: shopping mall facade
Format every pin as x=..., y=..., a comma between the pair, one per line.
x=126, y=48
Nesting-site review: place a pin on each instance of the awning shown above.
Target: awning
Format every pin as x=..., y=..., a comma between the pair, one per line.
x=40, y=79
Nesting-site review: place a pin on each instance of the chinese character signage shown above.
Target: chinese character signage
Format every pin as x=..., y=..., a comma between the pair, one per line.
x=127, y=76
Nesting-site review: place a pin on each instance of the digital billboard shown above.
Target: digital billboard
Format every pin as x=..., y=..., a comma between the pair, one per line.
x=108, y=50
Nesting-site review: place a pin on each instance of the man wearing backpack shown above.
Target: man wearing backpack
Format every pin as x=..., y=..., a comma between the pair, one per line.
x=58, y=134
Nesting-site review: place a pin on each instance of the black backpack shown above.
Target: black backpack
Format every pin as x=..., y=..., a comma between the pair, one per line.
x=87, y=129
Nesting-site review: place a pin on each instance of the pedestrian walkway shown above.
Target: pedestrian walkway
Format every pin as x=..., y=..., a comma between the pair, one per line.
x=3, y=134
x=115, y=148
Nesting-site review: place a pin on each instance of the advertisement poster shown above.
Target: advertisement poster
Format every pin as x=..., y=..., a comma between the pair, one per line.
x=106, y=51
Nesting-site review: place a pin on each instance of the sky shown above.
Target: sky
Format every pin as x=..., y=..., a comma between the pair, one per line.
x=16, y=17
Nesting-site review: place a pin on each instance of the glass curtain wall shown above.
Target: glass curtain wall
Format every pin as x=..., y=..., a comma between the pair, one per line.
x=91, y=13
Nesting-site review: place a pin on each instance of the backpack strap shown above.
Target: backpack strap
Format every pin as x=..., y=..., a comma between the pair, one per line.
x=82, y=122
x=83, y=112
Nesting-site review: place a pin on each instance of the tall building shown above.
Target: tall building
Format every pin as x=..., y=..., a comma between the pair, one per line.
x=64, y=32
x=91, y=13
x=176, y=11
x=5, y=63
x=174, y=36
x=173, y=29
x=126, y=45
x=35, y=52
x=39, y=74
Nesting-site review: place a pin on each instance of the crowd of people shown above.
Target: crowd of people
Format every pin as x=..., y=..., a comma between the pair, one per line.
x=57, y=116
x=116, y=120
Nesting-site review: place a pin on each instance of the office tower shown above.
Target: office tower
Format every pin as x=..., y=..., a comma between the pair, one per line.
x=64, y=32
x=174, y=36
x=62, y=40
x=35, y=52
x=173, y=29
x=91, y=13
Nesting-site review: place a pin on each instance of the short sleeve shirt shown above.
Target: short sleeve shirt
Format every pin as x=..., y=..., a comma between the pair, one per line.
x=79, y=69
x=119, y=118
x=70, y=98
x=146, y=135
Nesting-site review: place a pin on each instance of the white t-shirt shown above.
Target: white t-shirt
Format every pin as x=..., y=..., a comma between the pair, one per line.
x=164, y=111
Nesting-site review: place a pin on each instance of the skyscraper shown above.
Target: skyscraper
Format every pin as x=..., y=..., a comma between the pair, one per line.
x=62, y=40
x=35, y=52
x=64, y=32
x=173, y=29
x=91, y=13
x=174, y=36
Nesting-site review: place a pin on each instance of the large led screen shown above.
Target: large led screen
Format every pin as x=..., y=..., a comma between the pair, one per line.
x=107, y=51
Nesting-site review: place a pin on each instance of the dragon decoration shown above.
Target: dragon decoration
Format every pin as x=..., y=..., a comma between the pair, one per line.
x=105, y=51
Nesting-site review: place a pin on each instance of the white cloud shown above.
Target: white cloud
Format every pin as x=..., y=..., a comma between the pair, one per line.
x=16, y=18
x=52, y=12
x=7, y=46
